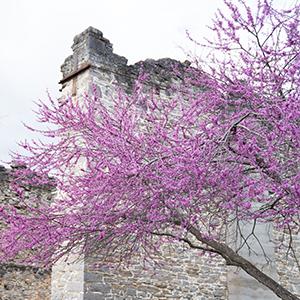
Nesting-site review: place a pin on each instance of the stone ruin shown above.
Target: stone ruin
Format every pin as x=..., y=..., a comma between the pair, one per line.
x=182, y=273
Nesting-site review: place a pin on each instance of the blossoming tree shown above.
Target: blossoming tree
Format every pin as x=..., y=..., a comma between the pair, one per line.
x=222, y=149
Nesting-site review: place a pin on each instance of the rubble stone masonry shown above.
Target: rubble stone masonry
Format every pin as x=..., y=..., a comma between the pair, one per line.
x=21, y=282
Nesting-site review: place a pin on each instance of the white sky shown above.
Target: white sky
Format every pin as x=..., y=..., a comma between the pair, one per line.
x=36, y=36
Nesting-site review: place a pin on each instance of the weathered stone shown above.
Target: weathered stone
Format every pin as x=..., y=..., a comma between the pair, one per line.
x=100, y=287
x=24, y=283
x=21, y=282
x=94, y=296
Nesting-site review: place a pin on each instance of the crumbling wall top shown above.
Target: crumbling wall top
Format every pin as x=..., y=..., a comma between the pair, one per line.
x=91, y=48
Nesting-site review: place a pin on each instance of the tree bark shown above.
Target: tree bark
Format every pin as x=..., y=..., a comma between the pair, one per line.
x=234, y=259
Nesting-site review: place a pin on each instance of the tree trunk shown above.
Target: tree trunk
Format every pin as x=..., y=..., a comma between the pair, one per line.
x=234, y=259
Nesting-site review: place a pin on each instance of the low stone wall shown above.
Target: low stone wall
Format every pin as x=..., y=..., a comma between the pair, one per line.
x=287, y=247
x=24, y=283
x=20, y=282
x=180, y=273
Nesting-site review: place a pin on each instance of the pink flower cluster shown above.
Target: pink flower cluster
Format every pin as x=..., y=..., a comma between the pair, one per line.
x=223, y=147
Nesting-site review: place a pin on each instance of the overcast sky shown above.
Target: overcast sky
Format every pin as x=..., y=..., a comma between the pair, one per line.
x=36, y=36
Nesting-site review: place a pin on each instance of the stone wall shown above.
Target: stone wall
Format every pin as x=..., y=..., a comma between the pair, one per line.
x=240, y=284
x=287, y=247
x=24, y=283
x=67, y=279
x=180, y=273
x=20, y=282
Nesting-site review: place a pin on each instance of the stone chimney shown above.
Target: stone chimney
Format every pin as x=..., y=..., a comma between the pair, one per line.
x=90, y=48
x=91, y=51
